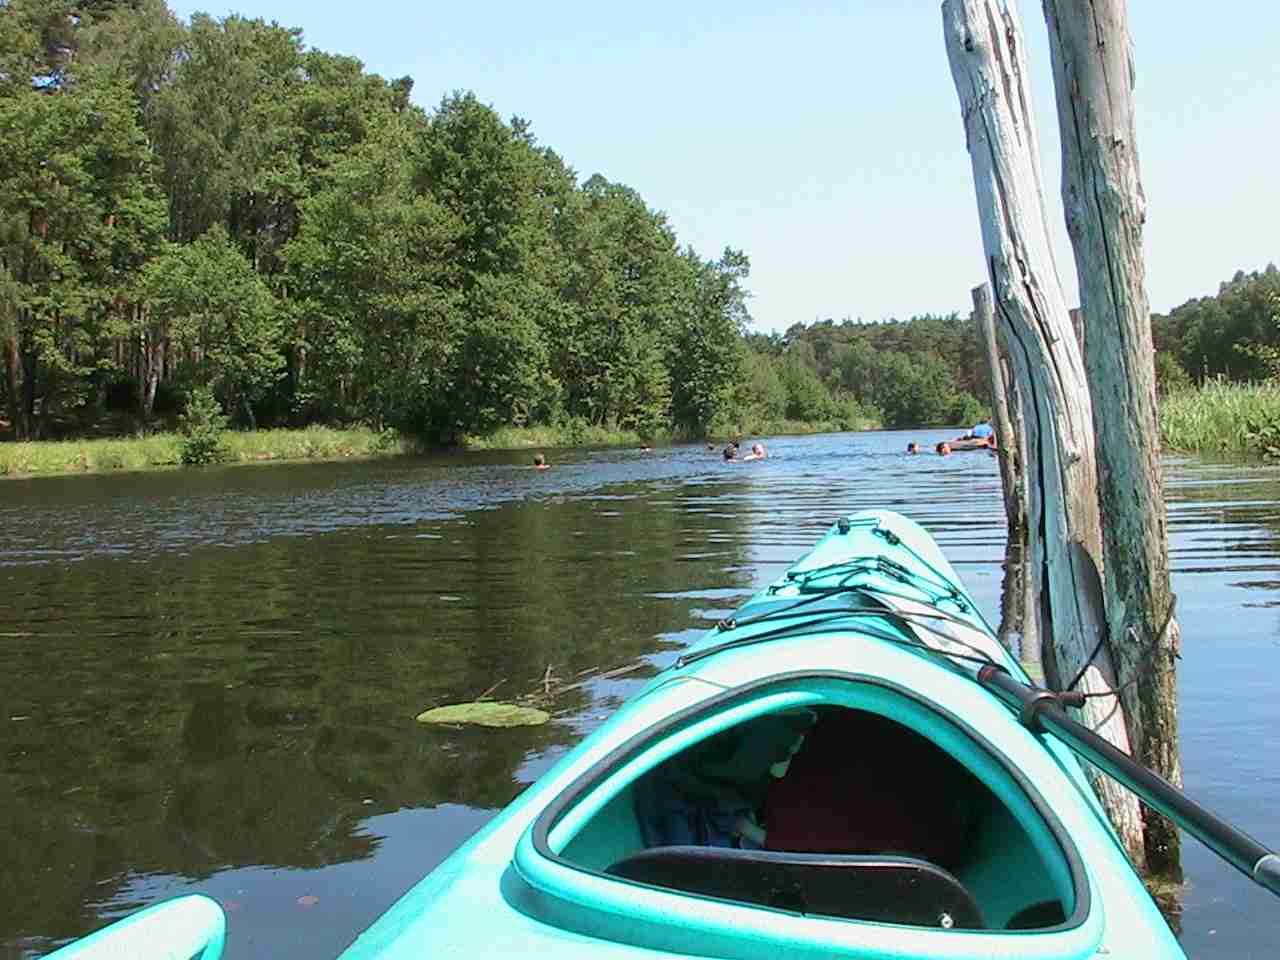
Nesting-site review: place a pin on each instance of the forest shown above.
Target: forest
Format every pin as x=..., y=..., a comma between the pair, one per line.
x=1233, y=336
x=213, y=210
x=212, y=219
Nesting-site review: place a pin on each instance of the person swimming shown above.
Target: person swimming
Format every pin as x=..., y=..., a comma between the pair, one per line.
x=757, y=452
x=540, y=462
x=913, y=447
x=943, y=448
x=730, y=452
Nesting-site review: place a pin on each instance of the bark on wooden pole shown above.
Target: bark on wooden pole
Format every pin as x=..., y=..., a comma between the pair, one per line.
x=1077, y=324
x=1001, y=420
x=984, y=46
x=1105, y=209
x=1017, y=627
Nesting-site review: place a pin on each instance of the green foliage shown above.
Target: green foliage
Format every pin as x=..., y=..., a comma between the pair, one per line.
x=202, y=424
x=1228, y=335
x=78, y=214
x=807, y=396
x=705, y=362
x=1170, y=377
x=1221, y=417
x=387, y=440
x=909, y=389
x=217, y=309
x=1266, y=353
x=213, y=205
x=966, y=409
x=1263, y=437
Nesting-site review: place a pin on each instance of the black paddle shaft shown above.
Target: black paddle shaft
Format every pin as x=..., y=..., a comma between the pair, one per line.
x=1041, y=710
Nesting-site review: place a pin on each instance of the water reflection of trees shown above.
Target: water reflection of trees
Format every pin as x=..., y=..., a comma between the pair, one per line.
x=252, y=706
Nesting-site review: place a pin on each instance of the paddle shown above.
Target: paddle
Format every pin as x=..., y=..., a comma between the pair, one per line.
x=1042, y=710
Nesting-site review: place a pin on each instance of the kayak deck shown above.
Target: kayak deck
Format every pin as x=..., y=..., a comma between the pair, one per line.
x=586, y=862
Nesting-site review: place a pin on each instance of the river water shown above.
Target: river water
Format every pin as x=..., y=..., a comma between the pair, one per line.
x=211, y=676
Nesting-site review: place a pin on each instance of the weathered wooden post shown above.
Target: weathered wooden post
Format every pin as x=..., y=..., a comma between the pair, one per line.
x=984, y=46
x=1003, y=402
x=1017, y=629
x=1093, y=74
x=1077, y=324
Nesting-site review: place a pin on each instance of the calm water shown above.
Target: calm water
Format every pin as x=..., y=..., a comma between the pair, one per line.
x=211, y=677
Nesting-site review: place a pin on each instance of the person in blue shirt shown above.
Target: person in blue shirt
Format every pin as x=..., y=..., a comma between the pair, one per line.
x=980, y=431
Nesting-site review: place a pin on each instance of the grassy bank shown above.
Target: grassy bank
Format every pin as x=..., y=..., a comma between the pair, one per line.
x=580, y=434
x=795, y=428
x=573, y=434
x=165, y=450
x=1223, y=418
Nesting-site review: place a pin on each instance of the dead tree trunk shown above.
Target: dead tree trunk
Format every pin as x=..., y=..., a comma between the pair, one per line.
x=1017, y=627
x=1105, y=210
x=984, y=46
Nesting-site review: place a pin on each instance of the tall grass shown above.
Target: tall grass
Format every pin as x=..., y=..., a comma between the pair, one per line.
x=574, y=433
x=313, y=443
x=1220, y=417
x=164, y=450
x=88, y=456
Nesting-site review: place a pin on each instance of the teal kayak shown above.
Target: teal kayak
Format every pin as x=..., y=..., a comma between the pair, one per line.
x=185, y=928
x=821, y=775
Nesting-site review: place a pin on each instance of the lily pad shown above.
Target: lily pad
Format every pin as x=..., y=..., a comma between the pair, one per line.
x=486, y=714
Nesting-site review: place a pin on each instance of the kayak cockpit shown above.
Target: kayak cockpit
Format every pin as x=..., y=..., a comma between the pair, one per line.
x=823, y=799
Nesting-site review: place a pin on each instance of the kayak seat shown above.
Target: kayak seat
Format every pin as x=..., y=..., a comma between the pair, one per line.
x=888, y=889
x=864, y=784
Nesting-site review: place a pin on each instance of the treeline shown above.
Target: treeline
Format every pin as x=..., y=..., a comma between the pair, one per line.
x=213, y=211
x=928, y=370
x=214, y=207
x=1233, y=336
x=931, y=370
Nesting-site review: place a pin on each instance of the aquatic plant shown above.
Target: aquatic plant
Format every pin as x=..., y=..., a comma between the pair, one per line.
x=1222, y=417
x=485, y=713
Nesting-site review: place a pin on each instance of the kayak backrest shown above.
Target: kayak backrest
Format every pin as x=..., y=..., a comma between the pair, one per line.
x=888, y=889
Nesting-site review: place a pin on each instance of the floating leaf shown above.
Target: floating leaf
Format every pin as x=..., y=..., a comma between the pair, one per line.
x=308, y=900
x=486, y=714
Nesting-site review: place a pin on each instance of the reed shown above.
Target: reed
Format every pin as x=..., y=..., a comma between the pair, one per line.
x=1221, y=418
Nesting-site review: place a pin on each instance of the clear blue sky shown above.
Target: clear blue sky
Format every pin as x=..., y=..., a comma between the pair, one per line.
x=825, y=140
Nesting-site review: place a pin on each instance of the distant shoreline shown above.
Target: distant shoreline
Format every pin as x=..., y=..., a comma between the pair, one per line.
x=162, y=451
x=1240, y=420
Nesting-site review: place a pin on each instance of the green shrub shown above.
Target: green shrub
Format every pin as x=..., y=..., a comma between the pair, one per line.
x=1263, y=437
x=202, y=425
x=386, y=440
